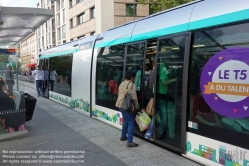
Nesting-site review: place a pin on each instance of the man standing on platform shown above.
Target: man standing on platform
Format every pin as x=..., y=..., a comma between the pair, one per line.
x=39, y=78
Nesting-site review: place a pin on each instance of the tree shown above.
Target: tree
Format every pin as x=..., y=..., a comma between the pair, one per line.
x=160, y=5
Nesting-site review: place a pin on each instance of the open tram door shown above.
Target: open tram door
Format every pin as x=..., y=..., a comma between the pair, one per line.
x=165, y=61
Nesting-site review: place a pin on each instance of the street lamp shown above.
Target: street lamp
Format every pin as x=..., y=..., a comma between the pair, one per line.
x=134, y=11
x=17, y=82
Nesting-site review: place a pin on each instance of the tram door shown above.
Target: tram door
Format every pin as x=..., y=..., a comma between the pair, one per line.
x=134, y=60
x=168, y=94
x=158, y=65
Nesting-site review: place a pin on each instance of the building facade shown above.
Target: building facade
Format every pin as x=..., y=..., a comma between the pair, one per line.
x=28, y=50
x=46, y=33
x=74, y=19
x=87, y=17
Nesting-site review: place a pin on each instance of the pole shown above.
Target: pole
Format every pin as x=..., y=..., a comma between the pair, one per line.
x=17, y=84
x=134, y=10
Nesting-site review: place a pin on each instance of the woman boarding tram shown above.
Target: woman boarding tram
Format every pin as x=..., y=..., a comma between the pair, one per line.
x=203, y=45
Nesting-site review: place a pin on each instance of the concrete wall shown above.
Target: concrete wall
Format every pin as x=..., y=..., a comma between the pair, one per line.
x=104, y=15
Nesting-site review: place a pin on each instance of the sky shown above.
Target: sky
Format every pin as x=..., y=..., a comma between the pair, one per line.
x=19, y=3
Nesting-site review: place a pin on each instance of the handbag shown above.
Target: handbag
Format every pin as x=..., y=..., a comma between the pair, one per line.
x=143, y=121
x=128, y=104
x=150, y=107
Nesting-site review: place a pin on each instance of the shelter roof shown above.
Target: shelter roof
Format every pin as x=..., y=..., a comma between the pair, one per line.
x=16, y=23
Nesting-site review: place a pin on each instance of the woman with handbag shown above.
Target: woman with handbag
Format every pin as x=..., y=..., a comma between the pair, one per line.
x=127, y=104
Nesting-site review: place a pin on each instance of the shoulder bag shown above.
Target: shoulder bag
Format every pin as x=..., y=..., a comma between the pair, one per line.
x=128, y=104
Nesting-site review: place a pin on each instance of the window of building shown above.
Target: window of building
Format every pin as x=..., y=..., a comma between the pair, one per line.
x=62, y=66
x=57, y=6
x=110, y=62
x=71, y=23
x=81, y=18
x=58, y=19
x=70, y=3
x=92, y=12
x=58, y=33
x=130, y=10
x=80, y=36
x=64, y=32
x=62, y=3
x=219, y=116
x=92, y=33
x=79, y=1
x=63, y=15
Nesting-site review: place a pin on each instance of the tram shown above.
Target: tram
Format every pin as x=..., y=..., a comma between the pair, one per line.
x=201, y=51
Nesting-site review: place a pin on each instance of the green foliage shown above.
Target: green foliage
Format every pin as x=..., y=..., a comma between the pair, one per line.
x=160, y=5
x=18, y=65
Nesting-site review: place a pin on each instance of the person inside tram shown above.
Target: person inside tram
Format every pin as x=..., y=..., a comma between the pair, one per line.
x=45, y=85
x=53, y=76
x=112, y=88
x=165, y=103
x=201, y=112
x=146, y=77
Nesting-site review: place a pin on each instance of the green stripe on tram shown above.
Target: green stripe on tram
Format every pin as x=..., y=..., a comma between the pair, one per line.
x=217, y=20
x=59, y=53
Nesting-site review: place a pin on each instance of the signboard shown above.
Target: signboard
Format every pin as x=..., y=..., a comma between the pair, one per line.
x=224, y=82
x=9, y=51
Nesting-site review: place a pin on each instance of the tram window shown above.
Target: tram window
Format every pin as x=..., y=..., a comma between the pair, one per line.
x=61, y=74
x=110, y=62
x=220, y=115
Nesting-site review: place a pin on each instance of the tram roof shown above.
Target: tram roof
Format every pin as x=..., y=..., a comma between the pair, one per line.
x=192, y=16
x=16, y=23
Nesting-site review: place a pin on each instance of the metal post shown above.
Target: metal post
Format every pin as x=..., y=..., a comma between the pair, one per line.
x=134, y=10
x=17, y=83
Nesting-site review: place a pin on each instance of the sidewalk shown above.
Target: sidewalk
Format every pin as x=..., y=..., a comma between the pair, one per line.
x=56, y=127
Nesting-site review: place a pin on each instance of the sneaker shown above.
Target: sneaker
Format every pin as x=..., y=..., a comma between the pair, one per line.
x=130, y=145
x=123, y=139
x=148, y=136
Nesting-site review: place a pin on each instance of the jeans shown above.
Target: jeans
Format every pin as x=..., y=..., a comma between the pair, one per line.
x=128, y=123
x=151, y=128
x=52, y=85
x=39, y=87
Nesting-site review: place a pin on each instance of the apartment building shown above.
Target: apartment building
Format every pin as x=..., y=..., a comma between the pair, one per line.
x=74, y=19
x=87, y=17
x=28, y=50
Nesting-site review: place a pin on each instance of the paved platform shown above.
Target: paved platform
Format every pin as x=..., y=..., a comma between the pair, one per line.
x=56, y=127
